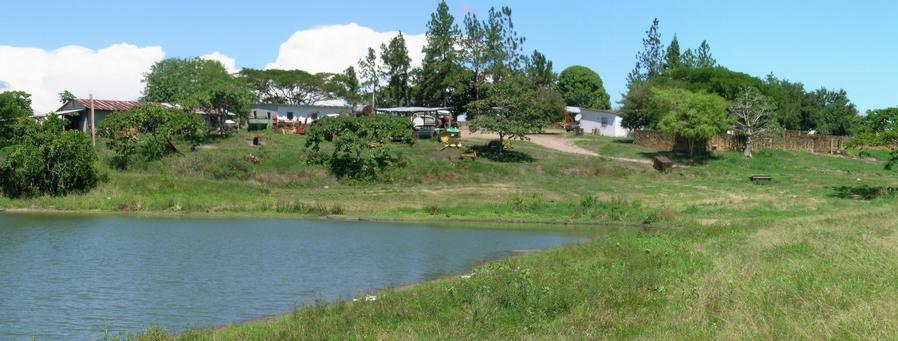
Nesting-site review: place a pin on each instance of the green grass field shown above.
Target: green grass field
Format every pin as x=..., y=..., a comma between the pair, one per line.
x=709, y=255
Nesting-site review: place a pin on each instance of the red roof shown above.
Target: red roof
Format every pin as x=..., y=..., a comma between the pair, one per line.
x=100, y=104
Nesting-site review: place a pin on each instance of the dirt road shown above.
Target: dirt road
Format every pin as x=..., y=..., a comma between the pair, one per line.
x=555, y=140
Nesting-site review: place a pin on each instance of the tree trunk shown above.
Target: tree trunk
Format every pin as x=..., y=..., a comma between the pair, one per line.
x=748, y=146
x=501, y=142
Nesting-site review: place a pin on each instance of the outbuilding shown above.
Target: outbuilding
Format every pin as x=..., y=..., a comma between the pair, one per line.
x=599, y=122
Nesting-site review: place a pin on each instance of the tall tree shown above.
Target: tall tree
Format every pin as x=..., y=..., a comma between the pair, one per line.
x=503, y=45
x=582, y=87
x=296, y=87
x=688, y=59
x=673, y=59
x=474, y=51
x=13, y=106
x=396, y=66
x=704, y=59
x=753, y=112
x=370, y=72
x=538, y=69
x=348, y=87
x=649, y=61
x=441, y=69
x=198, y=84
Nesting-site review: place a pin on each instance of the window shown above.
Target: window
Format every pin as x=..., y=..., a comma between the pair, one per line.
x=604, y=122
x=290, y=115
x=254, y=114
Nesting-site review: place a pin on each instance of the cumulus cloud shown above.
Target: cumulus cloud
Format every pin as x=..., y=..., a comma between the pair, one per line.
x=333, y=48
x=229, y=63
x=113, y=72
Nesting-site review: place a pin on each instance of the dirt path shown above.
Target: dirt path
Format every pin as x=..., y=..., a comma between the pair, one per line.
x=555, y=141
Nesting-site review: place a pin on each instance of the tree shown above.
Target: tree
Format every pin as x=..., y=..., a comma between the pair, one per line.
x=688, y=59
x=753, y=113
x=503, y=46
x=830, y=111
x=538, y=69
x=879, y=128
x=370, y=72
x=673, y=59
x=515, y=107
x=474, y=51
x=639, y=110
x=441, y=71
x=396, y=65
x=788, y=97
x=704, y=59
x=198, y=84
x=45, y=159
x=296, y=87
x=13, y=105
x=66, y=96
x=149, y=132
x=649, y=61
x=348, y=87
x=582, y=87
x=690, y=115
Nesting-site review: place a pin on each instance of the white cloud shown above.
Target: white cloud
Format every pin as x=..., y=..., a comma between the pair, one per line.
x=113, y=72
x=333, y=48
x=229, y=63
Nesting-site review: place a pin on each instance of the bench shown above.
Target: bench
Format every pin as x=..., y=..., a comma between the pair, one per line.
x=470, y=156
x=756, y=178
x=662, y=163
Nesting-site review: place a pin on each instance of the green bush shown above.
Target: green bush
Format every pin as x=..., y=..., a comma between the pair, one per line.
x=45, y=160
x=147, y=132
x=363, y=147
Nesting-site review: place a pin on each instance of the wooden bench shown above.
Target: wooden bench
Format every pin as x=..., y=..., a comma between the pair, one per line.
x=470, y=156
x=662, y=163
x=756, y=178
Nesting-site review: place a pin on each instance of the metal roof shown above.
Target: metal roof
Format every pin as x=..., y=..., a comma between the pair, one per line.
x=410, y=109
x=100, y=104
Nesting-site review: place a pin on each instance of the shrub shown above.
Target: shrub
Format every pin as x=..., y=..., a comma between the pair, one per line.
x=45, y=160
x=148, y=131
x=363, y=147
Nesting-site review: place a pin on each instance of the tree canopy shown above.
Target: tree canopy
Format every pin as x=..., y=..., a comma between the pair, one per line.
x=582, y=87
x=691, y=115
x=197, y=84
x=514, y=107
x=441, y=73
x=295, y=87
x=13, y=106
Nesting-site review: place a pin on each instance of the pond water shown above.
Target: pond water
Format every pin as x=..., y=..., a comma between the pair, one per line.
x=71, y=278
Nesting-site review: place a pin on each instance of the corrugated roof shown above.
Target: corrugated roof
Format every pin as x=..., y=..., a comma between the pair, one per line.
x=100, y=104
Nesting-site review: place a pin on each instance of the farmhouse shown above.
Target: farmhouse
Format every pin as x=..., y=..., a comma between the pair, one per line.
x=78, y=111
x=599, y=122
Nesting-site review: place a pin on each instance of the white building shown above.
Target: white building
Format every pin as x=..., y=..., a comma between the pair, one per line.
x=265, y=113
x=601, y=122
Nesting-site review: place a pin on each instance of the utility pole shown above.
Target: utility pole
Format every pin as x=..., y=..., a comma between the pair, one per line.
x=93, y=129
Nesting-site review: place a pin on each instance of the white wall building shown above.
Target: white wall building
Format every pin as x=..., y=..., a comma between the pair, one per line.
x=603, y=122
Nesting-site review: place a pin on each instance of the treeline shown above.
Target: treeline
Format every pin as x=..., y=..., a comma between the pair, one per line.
x=794, y=108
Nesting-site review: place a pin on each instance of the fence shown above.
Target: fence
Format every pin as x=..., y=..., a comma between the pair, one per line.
x=789, y=140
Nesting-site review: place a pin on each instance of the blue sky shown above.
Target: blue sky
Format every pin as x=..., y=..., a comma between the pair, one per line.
x=834, y=44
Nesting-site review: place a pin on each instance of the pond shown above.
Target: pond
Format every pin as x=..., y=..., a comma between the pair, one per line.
x=74, y=277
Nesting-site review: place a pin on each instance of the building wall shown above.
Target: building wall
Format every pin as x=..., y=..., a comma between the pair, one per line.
x=261, y=111
x=605, y=122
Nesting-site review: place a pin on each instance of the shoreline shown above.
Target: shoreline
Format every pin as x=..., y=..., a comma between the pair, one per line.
x=443, y=221
x=512, y=254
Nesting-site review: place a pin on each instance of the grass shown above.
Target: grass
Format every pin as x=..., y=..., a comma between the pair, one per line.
x=811, y=255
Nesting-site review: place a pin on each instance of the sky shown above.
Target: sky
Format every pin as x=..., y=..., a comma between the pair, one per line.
x=104, y=47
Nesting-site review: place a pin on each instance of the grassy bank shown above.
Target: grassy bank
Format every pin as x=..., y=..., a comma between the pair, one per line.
x=810, y=255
